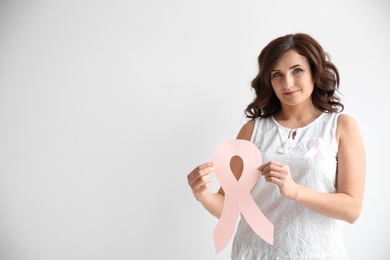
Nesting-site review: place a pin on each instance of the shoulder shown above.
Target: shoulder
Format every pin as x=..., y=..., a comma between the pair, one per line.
x=246, y=130
x=347, y=127
x=346, y=122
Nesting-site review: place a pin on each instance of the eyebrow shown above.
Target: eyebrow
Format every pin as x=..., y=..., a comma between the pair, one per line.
x=292, y=67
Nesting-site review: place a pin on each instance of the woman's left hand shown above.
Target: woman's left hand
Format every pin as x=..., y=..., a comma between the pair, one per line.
x=279, y=174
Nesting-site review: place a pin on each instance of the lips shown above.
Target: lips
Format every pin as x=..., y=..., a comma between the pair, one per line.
x=290, y=93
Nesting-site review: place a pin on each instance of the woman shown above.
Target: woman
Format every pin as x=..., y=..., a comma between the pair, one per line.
x=314, y=158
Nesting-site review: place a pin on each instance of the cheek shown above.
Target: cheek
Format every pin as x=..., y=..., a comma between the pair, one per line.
x=307, y=82
x=275, y=85
x=277, y=88
x=310, y=85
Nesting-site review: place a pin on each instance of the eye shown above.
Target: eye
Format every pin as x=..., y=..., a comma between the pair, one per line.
x=297, y=70
x=276, y=74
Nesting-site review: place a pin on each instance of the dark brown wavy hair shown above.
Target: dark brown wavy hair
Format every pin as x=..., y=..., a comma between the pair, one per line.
x=325, y=75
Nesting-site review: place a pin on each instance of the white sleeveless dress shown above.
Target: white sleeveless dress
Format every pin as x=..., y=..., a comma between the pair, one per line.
x=299, y=233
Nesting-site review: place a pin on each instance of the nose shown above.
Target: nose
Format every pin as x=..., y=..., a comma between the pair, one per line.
x=288, y=82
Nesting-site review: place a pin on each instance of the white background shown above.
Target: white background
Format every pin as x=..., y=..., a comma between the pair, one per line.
x=105, y=106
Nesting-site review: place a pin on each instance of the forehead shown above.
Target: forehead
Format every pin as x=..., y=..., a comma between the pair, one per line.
x=291, y=58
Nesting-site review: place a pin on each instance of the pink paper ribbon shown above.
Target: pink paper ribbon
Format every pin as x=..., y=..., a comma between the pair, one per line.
x=237, y=193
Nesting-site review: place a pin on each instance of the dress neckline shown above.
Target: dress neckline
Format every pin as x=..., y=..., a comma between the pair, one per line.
x=298, y=128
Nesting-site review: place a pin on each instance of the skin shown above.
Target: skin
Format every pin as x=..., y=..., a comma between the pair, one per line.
x=293, y=84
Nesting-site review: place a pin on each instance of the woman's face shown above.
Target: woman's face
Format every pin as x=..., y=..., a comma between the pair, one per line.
x=292, y=79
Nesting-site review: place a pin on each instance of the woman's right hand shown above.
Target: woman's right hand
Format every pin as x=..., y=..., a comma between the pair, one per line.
x=200, y=180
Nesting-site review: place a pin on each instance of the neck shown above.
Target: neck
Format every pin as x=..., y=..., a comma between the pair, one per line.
x=294, y=117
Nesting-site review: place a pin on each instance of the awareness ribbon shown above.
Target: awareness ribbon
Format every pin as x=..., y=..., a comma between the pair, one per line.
x=315, y=146
x=237, y=193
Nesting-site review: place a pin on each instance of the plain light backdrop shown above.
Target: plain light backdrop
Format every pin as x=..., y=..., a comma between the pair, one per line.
x=106, y=106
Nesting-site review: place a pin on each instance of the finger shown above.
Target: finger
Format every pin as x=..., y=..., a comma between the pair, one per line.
x=203, y=169
x=198, y=172
x=272, y=167
x=273, y=174
x=203, y=174
x=200, y=167
x=202, y=178
x=198, y=185
x=276, y=163
x=205, y=165
x=273, y=180
x=269, y=164
x=199, y=192
x=205, y=178
x=208, y=184
x=261, y=167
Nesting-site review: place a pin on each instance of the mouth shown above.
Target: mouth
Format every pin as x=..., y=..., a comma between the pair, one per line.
x=290, y=93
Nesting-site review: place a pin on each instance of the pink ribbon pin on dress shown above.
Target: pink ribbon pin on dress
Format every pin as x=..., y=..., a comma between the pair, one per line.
x=315, y=150
x=237, y=193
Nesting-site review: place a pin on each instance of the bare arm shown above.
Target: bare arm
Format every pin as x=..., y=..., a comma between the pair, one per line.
x=346, y=203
